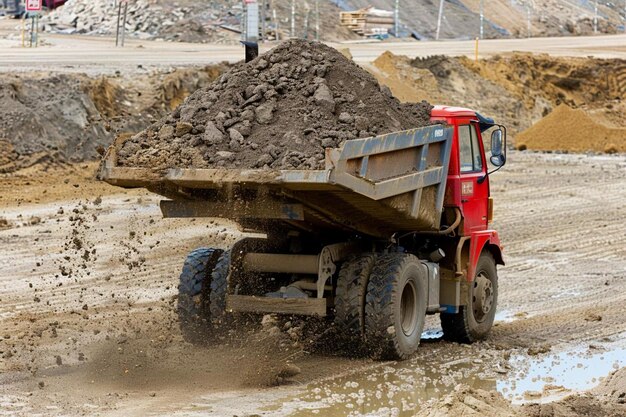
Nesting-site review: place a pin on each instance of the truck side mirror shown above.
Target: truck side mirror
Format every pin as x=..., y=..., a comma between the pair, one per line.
x=497, y=155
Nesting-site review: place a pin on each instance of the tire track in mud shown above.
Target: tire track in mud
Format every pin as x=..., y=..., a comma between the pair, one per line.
x=560, y=219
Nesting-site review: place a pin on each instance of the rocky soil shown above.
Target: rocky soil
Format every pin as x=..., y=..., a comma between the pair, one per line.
x=56, y=118
x=279, y=111
x=146, y=19
x=191, y=21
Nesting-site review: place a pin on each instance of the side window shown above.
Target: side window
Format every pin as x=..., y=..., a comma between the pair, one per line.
x=469, y=149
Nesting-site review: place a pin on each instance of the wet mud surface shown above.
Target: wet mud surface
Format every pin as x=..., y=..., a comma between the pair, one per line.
x=88, y=292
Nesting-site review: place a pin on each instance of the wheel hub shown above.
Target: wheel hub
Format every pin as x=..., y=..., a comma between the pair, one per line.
x=482, y=297
x=408, y=308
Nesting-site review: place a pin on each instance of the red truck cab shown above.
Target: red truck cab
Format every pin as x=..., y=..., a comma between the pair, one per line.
x=467, y=186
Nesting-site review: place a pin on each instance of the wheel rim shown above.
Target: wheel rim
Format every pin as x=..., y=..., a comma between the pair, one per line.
x=408, y=308
x=482, y=297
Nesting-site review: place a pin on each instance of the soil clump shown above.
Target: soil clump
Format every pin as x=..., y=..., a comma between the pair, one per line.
x=279, y=111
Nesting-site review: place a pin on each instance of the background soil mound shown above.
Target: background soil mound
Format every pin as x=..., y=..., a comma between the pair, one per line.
x=458, y=85
x=278, y=111
x=572, y=81
x=51, y=118
x=567, y=129
x=52, y=114
x=407, y=83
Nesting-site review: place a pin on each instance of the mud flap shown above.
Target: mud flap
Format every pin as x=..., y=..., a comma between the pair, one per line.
x=450, y=296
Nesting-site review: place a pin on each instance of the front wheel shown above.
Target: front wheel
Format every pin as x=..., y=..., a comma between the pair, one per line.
x=475, y=319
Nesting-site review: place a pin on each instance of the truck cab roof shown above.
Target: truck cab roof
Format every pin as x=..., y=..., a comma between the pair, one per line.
x=450, y=111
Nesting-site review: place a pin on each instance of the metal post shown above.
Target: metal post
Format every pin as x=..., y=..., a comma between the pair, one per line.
x=32, y=31
x=595, y=16
x=482, y=19
x=306, y=22
x=528, y=20
x=317, y=20
x=396, y=18
x=263, y=17
x=439, y=19
x=476, y=51
x=276, y=25
x=293, y=18
x=124, y=22
x=243, y=26
x=117, y=30
x=36, y=29
x=23, y=30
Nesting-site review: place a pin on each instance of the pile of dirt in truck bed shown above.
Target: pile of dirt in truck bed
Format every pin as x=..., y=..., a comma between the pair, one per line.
x=572, y=130
x=279, y=111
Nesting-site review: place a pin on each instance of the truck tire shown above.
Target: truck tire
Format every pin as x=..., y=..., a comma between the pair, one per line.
x=219, y=286
x=474, y=320
x=194, y=294
x=395, y=307
x=350, y=298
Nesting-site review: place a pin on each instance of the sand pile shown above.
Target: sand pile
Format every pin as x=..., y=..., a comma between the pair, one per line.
x=567, y=129
x=278, y=111
x=407, y=83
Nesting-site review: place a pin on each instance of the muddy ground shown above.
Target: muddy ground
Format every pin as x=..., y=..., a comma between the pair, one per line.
x=88, y=286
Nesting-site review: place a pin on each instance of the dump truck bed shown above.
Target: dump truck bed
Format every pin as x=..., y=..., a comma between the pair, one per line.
x=375, y=186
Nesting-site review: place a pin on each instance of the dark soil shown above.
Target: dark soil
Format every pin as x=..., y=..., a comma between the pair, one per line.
x=279, y=111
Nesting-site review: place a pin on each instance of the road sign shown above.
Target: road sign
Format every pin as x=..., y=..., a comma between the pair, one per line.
x=33, y=5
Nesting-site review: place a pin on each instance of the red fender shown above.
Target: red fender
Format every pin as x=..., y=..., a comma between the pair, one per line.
x=483, y=240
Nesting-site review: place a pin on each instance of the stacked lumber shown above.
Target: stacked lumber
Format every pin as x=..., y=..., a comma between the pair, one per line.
x=368, y=21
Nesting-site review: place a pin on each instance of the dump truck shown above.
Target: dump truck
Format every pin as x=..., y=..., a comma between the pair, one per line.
x=396, y=226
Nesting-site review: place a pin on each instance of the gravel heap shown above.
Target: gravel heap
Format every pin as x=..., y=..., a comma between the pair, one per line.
x=146, y=19
x=279, y=111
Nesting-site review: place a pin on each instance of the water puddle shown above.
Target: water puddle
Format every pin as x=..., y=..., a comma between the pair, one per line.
x=392, y=389
x=432, y=334
x=505, y=316
x=399, y=389
x=555, y=375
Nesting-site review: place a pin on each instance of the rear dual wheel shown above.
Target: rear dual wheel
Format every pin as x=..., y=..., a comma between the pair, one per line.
x=201, y=293
x=350, y=300
x=395, y=307
x=380, y=305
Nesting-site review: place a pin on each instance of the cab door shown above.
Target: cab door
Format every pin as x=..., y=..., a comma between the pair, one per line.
x=472, y=168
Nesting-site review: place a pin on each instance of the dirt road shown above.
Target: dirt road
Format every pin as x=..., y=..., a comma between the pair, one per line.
x=88, y=277
x=98, y=55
